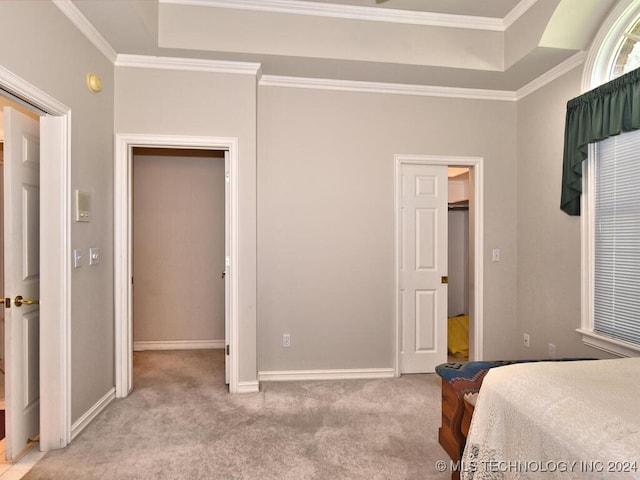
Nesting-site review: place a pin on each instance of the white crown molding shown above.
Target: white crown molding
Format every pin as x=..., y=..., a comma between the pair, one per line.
x=354, y=12
x=556, y=72
x=519, y=10
x=80, y=21
x=29, y=95
x=189, y=64
x=387, y=88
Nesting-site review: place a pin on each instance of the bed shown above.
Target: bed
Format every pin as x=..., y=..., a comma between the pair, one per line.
x=459, y=381
x=576, y=419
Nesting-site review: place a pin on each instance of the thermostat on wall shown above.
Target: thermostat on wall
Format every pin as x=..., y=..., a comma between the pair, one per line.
x=83, y=206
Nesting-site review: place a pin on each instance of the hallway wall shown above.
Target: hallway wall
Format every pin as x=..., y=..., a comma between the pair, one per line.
x=178, y=248
x=54, y=56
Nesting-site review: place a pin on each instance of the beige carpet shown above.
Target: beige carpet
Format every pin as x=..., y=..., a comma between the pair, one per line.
x=180, y=423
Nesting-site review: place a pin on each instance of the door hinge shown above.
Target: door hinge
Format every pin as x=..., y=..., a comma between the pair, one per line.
x=227, y=177
x=228, y=350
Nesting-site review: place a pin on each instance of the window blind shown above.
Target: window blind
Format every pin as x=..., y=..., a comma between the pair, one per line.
x=617, y=237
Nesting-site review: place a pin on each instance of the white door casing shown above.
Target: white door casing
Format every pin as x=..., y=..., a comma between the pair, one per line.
x=55, y=266
x=227, y=261
x=476, y=215
x=423, y=264
x=123, y=255
x=22, y=278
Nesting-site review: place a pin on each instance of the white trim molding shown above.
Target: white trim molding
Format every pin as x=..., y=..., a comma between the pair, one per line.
x=55, y=264
x=517, y=11
x=476, y=247
x=141, y=346
x=187, y=64
x=608, y=344
x=248, y=387
x=123, y=268
x=92, y=413
x=365, y=13
x=556, y=72
x=385, y=88
x=336, y=374
x=76, y=17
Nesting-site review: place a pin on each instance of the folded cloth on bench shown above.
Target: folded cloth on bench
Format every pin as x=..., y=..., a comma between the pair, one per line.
x=466, y=377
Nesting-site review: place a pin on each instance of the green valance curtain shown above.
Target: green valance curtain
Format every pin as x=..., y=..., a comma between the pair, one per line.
x=608, y=110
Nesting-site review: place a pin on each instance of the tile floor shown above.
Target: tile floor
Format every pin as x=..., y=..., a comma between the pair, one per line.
x=21, y=467
x=16, y=470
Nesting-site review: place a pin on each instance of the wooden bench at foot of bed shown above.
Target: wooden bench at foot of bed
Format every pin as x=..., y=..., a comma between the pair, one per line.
x=458, y=379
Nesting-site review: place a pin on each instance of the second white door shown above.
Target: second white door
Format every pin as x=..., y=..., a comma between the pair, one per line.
x=423, y=266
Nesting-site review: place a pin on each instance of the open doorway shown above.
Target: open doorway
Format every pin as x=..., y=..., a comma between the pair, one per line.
x=178, y=249
x=123, y=254
x=458, y=253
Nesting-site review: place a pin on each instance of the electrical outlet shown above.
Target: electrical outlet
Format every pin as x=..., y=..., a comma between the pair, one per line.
x=286, y=340
x=552, y=351
x=525, y=340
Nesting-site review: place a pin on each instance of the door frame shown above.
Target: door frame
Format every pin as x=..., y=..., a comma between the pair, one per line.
x=123, y=255
x=476, y=217
x=55, y=262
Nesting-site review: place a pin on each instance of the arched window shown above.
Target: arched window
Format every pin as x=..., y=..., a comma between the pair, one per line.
x=627, y=57
x=611, y=202
x=614, y=50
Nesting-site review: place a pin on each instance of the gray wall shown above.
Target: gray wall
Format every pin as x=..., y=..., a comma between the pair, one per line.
x=325, y=218
x=149, y=101
x=178, y=245
x=549, y=240
x=321, y=237
x=41, y=46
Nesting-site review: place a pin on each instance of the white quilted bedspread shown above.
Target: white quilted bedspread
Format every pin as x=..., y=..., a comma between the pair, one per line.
x=578, y=419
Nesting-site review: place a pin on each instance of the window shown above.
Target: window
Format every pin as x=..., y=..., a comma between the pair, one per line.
x=627, y=57
x=611, y=207
x=616, y=237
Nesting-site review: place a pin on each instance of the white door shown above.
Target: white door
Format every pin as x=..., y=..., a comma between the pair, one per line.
x=22, y=275
x=423, y=264
x=227, y=270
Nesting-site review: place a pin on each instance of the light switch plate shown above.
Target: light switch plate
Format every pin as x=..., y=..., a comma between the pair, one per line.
x=83, y=206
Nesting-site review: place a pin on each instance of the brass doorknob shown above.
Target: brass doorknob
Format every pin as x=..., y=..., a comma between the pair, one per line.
x=19, y=301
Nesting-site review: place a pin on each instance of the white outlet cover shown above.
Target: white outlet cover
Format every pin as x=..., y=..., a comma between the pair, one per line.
x=94, y=256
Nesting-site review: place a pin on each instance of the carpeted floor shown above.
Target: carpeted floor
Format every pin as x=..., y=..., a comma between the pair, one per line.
x=180, y=423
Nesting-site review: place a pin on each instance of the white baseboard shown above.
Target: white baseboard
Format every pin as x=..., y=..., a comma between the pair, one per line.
x=92, y=413
x=248, y=387
x=290, y=375
x=177, y=345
